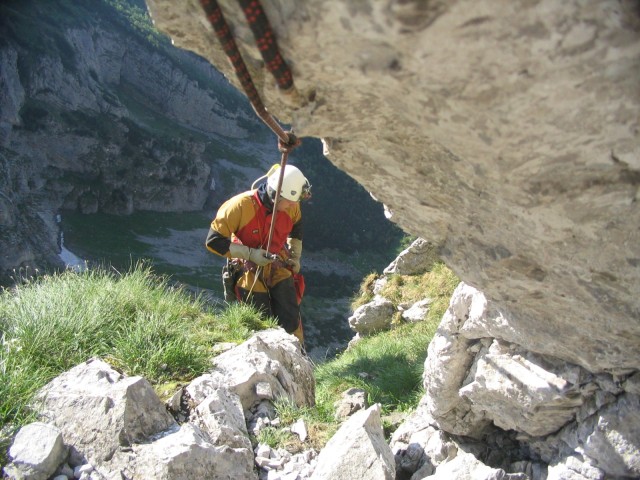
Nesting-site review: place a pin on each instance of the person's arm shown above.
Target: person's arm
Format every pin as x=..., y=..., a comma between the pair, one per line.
x=295, y=248
x=228, y=221
x=217, y=243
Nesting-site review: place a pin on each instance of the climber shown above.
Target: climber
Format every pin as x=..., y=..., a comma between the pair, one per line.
x=240, y=231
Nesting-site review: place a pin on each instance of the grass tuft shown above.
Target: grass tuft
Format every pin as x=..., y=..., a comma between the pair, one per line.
x=143, y=325
x=320, y=427
x=136, y=321
x=365, y=293
x=389, y=365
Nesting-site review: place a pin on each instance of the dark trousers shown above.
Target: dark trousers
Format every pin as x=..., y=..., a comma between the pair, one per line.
x=280, y=302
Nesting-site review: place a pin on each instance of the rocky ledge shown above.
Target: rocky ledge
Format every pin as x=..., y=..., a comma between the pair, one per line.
x=492, y=409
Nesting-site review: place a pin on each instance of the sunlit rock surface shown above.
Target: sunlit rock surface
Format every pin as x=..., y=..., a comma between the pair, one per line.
x=505, y=133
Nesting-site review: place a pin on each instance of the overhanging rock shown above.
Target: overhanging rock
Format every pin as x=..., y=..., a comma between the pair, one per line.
x=504, y=133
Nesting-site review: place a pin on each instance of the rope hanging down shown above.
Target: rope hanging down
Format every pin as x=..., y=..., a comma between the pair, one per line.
x=268, y=48
x=267, y=45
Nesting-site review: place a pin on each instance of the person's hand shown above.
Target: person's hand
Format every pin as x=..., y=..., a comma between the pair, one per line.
x=258, y=256
x=294, y=263
x=295, y=246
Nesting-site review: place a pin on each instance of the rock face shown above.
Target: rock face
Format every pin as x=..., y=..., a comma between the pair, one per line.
x=417, y=258
x=505, y=134
x=116, y=426
x=372, y=317
x=369, y=457
x=264, y=367
x=483, y=388
x=93, y=118
x=494, y=409
x=37, y=451
x=93, y=397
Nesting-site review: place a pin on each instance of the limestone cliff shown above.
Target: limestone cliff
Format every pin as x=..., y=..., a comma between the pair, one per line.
x=95, y=117
x=504, y=132
x=507, y=134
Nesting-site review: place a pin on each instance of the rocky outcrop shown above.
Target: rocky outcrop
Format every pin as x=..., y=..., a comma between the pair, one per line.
x=264, y=367
x=485, y=388
x=374, y=316
x=94, y=397
x=506, y=135
x=562, y=415
x=417, y=258
x=115, y=426
x=357, y=450
x=380, y=313
x=499, y=410
x=37, y=451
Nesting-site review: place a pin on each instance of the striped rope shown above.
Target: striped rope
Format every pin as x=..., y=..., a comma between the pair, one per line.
x=223, y=32
x=266, y=43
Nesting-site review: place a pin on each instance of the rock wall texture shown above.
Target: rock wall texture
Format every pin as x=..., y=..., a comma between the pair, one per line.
x=96, y=119
x=492, y=405
x=506, y=133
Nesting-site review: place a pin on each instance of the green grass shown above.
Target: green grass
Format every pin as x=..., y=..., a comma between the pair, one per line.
x=136, y=321
x=437, y=284
x=142, y=325
x=320, y=426
x=388, y=365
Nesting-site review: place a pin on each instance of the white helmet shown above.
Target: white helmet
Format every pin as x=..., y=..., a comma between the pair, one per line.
x=295, y=186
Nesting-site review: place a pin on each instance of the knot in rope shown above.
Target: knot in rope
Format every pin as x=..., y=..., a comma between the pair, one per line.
x=287, y=147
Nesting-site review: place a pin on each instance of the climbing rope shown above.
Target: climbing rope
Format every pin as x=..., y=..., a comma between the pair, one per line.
x=267, y=45
x=268, y=48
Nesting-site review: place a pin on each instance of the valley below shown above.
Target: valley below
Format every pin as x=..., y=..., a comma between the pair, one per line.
x=172, y=244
